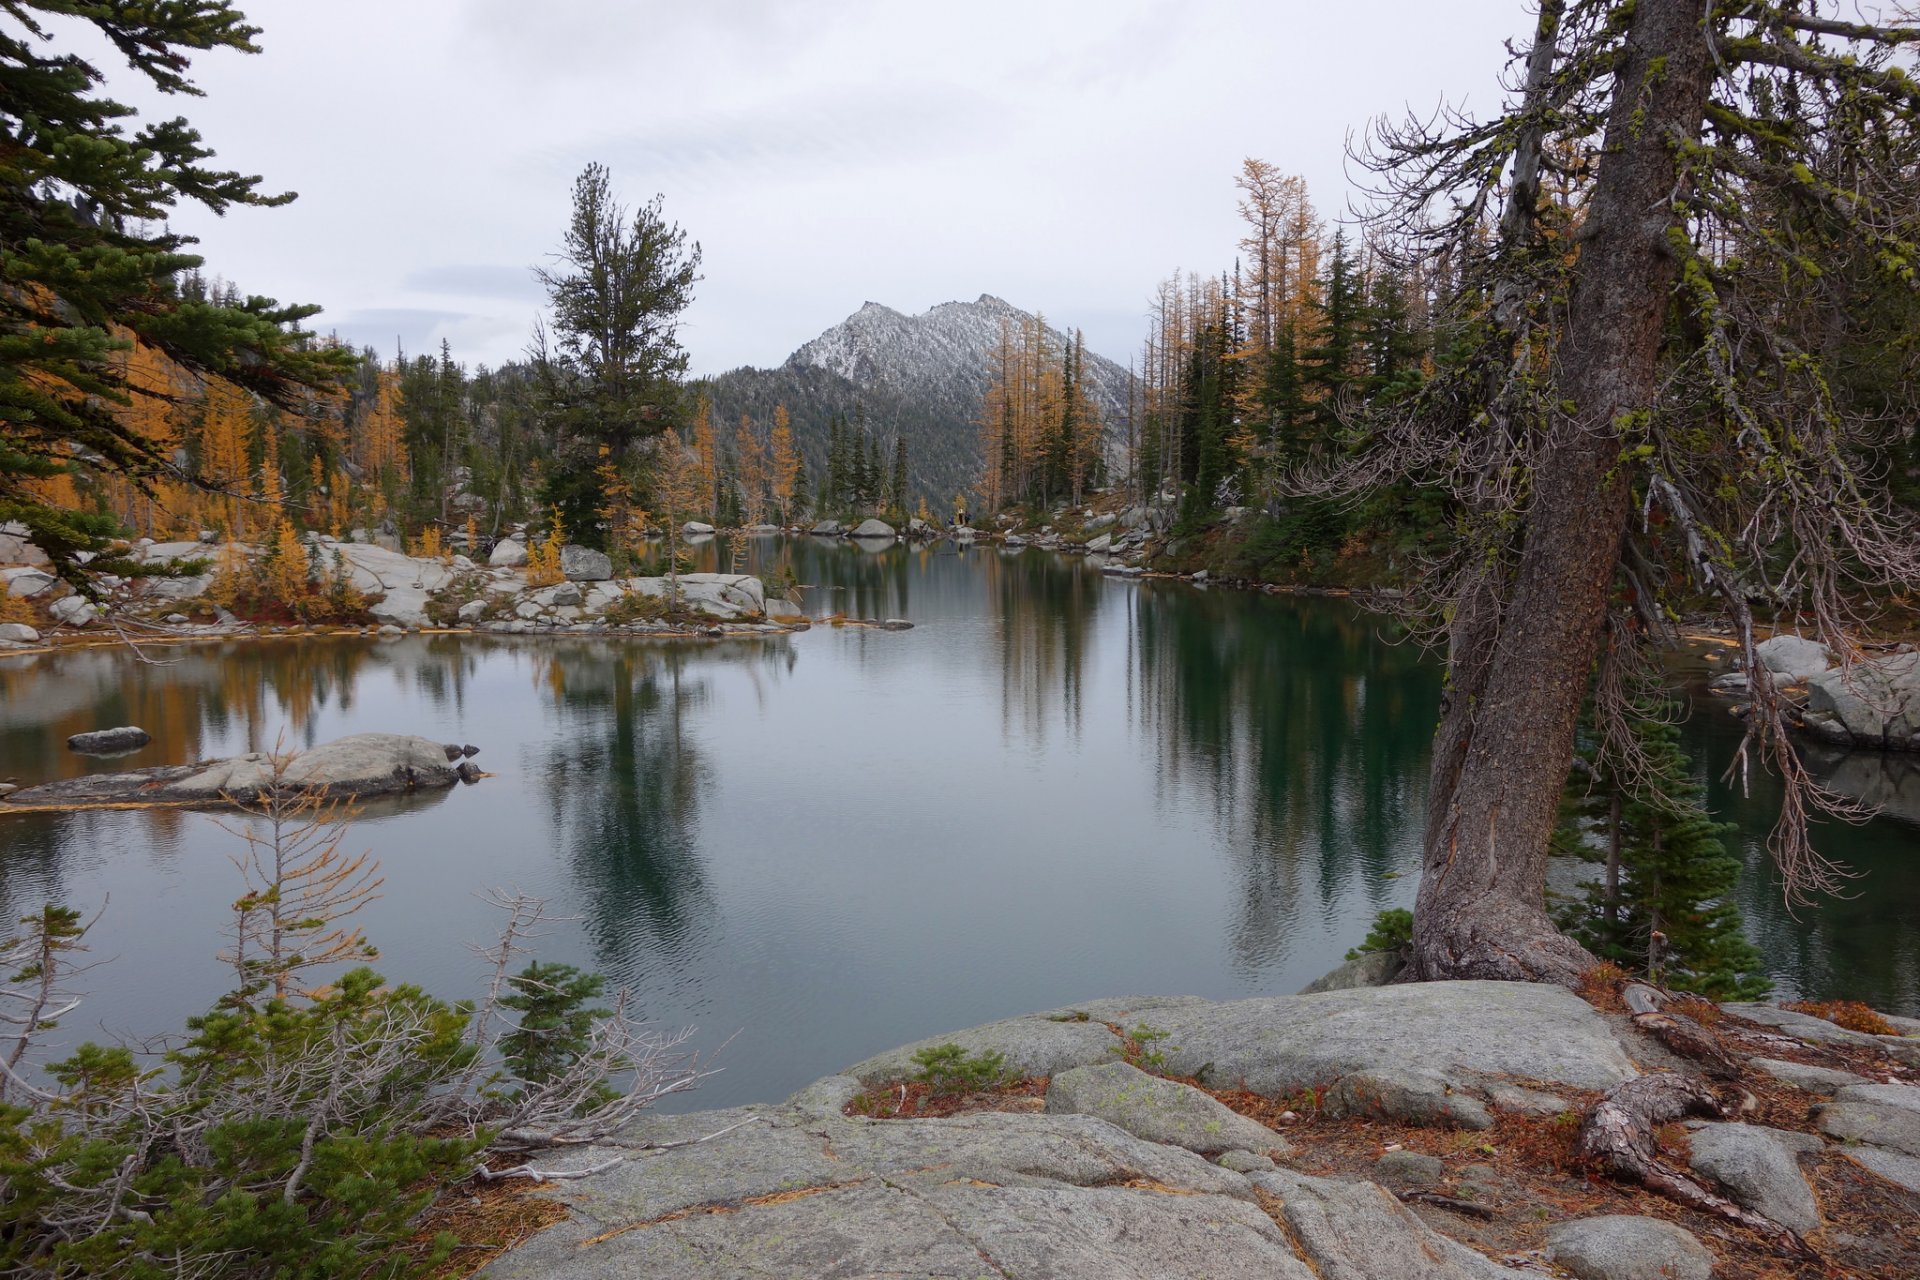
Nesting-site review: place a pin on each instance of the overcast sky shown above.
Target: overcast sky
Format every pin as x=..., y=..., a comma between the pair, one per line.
x=1063, y=154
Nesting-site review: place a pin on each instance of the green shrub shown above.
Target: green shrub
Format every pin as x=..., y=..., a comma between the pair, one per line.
x=950, y=1069
x=1392, y=931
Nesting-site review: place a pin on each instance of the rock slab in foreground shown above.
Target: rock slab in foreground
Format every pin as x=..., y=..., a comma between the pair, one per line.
x=801, y=1190
x=361, y=764
x=1424, y=1052
x=1627, y=1247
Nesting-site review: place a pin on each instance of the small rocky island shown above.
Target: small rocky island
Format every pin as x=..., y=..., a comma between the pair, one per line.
x=1412, y=1132
x=356, y=766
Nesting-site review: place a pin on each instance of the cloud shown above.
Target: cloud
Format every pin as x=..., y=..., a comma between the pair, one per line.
x=416, y=329
x=476, y=280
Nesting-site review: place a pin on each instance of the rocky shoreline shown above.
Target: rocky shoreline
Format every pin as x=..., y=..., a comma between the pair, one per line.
x=1380, y=1133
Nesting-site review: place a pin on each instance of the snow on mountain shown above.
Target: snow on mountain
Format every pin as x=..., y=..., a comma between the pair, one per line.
x=921, y=377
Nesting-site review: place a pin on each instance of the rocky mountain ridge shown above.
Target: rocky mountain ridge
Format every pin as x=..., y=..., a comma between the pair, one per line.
x=922, y=377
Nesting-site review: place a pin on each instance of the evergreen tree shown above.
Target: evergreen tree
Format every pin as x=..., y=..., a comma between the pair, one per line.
x=91, y=267
x=1665, y=907
x=1332, y=363
x=617, y=290
x=897, y=486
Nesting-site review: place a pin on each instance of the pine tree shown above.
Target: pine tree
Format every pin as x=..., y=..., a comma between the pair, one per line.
x=897, y=484
x=787, y=464
x=619, y=285
x=92, y=267
x=1665, y=907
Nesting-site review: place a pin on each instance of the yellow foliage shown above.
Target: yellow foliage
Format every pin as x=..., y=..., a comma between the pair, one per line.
x=286, y=575
x=230, y=575
x=428, y=545
x=543, y=557
x=15, y=609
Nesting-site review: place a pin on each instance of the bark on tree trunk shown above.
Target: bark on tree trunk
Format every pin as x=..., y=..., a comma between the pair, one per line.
x=1521, y=652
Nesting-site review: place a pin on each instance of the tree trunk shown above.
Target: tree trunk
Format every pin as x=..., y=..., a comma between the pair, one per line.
x=1521, y=652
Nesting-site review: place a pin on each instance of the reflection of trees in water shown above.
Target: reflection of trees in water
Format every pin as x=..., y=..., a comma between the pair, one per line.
x=1863, y=945
x=1303, y=735
x=624, y=781
x=845, y=577
x=1044, y=609
x=246, y=692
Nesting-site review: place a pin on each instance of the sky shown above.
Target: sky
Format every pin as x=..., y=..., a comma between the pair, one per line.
x=1066, y=155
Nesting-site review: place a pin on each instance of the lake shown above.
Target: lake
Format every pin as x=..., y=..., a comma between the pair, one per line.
x=814, y=847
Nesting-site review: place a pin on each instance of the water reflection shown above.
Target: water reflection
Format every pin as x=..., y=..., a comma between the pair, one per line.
x=1305, y=738
x=1056, y=786
x=622, y=782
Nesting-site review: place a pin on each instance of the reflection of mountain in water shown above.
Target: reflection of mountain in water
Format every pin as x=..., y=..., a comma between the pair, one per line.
x=1305, y=737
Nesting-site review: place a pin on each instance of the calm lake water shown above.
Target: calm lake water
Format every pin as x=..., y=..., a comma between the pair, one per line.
x=1056, y=786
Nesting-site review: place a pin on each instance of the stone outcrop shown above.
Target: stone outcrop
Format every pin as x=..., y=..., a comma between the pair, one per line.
x=1126, y=1173
x=584, y=564
x=361, y=764
x=873, y=529
x=1875, y=703
x=1424, y=1052
x=802, y=1190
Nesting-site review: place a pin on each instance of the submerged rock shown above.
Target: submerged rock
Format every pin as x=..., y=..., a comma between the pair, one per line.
x=107, y=742
x=361, y=764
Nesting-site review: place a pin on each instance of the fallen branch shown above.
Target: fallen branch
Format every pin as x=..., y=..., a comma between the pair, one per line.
x=546, y=1175
x=693, y=1142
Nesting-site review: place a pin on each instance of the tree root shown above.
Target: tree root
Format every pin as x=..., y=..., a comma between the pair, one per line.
x=1681, y=1034
x=1618, y=1138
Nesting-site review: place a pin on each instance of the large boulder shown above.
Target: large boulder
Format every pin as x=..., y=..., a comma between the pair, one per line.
x=107, y=742
x=24, y=583
x=1875, y=703
x=1628, y=1247
x=696, y=528
x=16, y=546
x=361, y=764
x=1158, y=1110
x=1792, y=659
x=18, y=633
x=584, y=564
x=74, y=611
x=873, y=529
x=827, y=529
x=1759, y=1169
x=508, y=553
